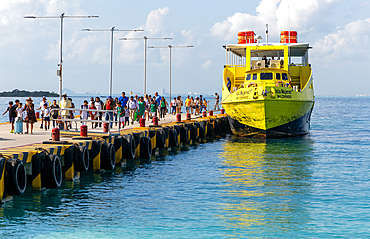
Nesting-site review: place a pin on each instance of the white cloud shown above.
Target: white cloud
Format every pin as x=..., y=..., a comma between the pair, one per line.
x=301, y=15
x=207, y=64
x=154, y=27
x=340, y=47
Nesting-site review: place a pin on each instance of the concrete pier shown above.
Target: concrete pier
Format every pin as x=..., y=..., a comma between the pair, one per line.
x=36, y=161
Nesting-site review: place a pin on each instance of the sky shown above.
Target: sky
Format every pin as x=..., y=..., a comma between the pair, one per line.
x=338, y=31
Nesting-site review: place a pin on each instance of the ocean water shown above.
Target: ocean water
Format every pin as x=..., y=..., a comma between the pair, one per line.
x=312, y=187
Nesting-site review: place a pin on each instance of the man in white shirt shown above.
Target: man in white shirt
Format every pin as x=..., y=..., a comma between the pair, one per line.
x=65, y=103
x=133, y=106
x=42, y=107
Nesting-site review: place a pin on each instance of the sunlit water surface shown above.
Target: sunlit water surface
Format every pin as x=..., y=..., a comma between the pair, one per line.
x=316, y=186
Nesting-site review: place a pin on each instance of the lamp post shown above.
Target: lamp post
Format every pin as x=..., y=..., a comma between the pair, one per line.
x=112, y=30
x=170, y=48
x=145, y=48
x=62, y=16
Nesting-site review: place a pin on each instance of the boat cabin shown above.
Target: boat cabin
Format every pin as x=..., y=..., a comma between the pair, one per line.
x=284, y=64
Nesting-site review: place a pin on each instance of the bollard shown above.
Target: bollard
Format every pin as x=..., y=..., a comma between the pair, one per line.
x=37, y=115
x=142, y=122
x=211, y=113
x=178, y=117
x=155, y=120
x=188, y=116
x=83, y=131
x=105, y=127
x=222, y=111
x=55, y=134
x=204, y=114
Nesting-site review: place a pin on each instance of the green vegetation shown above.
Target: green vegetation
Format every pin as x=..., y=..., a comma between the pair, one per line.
x=24, y=93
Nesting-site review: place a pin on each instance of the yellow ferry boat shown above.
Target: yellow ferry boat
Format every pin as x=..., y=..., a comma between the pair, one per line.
x=264, y=93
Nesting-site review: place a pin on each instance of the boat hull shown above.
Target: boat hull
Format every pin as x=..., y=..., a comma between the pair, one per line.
x=297, y=127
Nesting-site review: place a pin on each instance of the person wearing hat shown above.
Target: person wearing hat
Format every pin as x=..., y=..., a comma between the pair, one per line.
x=65, y=103
x=228, y=85
x=31, y=116
x=42, y=103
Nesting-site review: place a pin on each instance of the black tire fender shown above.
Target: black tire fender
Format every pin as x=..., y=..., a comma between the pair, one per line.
x=173, y=138
x=108, y=154
x=15, y=177
x=51, y=171
x=145, y=148
x=81, y=158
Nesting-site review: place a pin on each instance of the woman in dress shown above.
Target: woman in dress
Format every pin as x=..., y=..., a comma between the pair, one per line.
x=31, y=116
x=142, y=107
x=163, y=108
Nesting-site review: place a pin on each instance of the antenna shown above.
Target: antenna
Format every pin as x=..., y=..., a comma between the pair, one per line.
x=267, y=33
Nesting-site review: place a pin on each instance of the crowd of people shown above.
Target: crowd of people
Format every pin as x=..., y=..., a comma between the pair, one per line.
x=122, y=111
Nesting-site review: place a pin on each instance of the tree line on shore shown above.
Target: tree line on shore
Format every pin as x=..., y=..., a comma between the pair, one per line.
x=24, y=93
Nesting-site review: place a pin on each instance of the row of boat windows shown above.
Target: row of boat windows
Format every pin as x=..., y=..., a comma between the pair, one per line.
x=268, y=76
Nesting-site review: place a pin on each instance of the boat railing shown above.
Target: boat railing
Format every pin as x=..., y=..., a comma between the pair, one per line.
x=109, y=121
x=225, y=66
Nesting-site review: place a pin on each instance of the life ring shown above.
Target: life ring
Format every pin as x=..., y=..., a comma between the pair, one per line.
x=279, y=82
x=173, y=138
x=81, y=158
x=252, y=84
x=184, y=135
x=15, y=177
x=51, y=171
x=161, y=139
x=145, y=148
x=108, y=157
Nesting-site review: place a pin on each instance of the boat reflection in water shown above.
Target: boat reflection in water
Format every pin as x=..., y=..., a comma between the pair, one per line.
x=267, y=185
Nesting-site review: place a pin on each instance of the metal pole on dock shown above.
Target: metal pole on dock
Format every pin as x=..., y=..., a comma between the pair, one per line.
x=145, y=49
x=62, y=16
x=170, y=48
x=112, y=30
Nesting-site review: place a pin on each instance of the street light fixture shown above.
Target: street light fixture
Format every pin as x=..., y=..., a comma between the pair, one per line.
x=62, y=16
x=170, y=47
x=112, y=30
x=145, y=48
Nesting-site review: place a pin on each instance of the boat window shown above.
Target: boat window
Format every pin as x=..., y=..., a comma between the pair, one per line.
x=254, y=76
x=248, y=77
x=266, y=76
x=277, y=76
x=285, y=76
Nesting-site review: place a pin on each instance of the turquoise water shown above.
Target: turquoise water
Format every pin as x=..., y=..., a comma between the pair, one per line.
x=312, y=187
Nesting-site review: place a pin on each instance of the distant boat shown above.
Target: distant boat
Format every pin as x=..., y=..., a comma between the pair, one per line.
x=269, y=95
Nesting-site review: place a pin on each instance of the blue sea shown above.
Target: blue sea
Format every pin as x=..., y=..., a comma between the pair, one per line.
x=312, y=187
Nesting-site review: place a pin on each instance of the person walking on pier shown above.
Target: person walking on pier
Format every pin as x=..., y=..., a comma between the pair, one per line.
x=46, y=113
x=120, y=114
x=187, y=104
x=31, y=116
x=84, y=115
x=109, y=105
x=192, y=104
x=141, y=108
x=132, y=105
x=200, y=104
x=217, y=98
x=99, y=106
x=93, y=114
x=42, y=103
x=64, y=104
x=55, y=112
x=12, y=114
x=163, y=108
x=179, y=104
